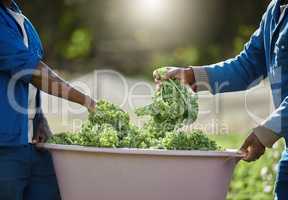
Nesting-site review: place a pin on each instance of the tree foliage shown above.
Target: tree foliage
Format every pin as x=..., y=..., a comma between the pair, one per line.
x=109, y=33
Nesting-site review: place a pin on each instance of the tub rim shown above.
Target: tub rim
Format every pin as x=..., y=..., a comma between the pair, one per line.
x=230, y=153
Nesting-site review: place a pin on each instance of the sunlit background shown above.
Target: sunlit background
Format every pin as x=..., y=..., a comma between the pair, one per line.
x=81, y=35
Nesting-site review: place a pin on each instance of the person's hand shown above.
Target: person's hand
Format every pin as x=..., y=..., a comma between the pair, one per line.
x=252, y=149
x=185, y=75
x=42, y=131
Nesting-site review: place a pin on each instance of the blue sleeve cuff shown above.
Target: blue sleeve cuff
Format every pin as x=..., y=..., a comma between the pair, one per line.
x=274, y=123
x=266, y=136
x=210, y=74
x=201, y=78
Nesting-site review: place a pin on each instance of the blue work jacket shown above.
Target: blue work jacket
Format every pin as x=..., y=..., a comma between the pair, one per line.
x=17, y=63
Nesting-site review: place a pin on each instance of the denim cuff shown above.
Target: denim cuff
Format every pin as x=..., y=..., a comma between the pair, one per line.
x=202, y=79
x=266, y=136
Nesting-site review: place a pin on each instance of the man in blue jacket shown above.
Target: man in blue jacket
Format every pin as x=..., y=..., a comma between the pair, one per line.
x=25, y=172
x=265, y=55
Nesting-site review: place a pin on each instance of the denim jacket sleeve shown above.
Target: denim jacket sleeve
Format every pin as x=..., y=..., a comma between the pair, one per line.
x=277, y=121
x=15, y=57
x=243, y=71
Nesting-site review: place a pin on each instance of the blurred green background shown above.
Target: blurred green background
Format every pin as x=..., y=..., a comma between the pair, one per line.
x=133, y=36
x=136, y=36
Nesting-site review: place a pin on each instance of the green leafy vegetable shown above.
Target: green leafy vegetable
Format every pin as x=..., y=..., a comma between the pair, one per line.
x=194, y=140
x=173, y=106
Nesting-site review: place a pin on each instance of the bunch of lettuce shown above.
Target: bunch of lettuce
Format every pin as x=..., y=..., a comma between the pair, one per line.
x=173, y=102
x=174, y=105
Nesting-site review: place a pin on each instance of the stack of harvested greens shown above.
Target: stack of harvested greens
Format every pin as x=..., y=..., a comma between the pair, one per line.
x=173, y=107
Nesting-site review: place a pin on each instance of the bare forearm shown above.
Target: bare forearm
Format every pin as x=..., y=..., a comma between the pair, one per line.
x=48, y=81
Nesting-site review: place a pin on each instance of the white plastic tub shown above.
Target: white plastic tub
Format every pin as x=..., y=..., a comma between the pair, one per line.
x=129, y=174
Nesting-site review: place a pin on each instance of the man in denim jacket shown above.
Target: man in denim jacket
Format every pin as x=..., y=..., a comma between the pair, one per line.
x=264, y=56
